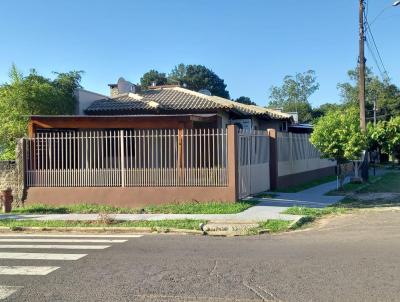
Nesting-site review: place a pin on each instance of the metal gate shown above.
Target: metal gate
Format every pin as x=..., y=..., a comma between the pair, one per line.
x=253, y=165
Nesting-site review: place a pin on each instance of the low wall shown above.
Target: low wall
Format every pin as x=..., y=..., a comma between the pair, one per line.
x=304, y=177
x=12, y=177
x=302, y=166
x=132, y=197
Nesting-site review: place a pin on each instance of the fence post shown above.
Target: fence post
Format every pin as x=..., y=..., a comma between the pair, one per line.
x=21, y=168
x=232, y=161
x=273, y=159
x=122, y=157
x=291, y=148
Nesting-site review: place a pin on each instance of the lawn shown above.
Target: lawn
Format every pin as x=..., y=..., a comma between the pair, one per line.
x=178, y=208
x=389, y=182
x=353, y=187
x=186, y=224
x=358, y=203
x=307, y=185
x=379, y=192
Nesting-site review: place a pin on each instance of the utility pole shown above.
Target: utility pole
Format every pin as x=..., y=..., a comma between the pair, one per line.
x=363, y=126
x=361, y=94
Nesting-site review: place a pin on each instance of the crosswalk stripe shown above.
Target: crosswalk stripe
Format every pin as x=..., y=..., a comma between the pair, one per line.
x=63, y=240
x=6, y=291
x=53, y=246
x=41, y=256
x=27, y=270
x=71, y=235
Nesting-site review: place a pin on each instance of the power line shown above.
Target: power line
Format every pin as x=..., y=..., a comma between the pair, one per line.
x=375, y=59
x=374, y=48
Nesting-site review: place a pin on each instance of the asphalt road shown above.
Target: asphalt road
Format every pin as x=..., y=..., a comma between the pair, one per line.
x=347, y=258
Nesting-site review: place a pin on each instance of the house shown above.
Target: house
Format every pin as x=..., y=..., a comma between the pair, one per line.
x=166, y=144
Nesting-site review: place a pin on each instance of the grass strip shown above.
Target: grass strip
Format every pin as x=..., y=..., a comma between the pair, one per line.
x=275, y=225
x=178, y=208
x=186, y=224
x=314, y=212
x=202, y=208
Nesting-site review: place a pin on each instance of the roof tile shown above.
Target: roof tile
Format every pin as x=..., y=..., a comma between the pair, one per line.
x=177, y=99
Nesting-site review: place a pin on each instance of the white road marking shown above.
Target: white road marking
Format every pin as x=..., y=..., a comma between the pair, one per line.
x=27, y=270
x=41, y=256
x=71, y=235
x=6, y=291
x=63, y=240
x=53, y=246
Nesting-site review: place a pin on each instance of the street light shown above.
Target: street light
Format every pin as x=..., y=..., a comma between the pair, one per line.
x=396, y=3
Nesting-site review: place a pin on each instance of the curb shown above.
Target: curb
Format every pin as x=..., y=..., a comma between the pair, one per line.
x=230, y=229
x=121, y=230
x=294, y=222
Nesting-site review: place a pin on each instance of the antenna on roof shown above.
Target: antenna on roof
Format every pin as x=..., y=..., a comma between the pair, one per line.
x=205, y=91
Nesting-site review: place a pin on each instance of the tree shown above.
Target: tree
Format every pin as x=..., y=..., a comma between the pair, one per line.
x=294, y=94
x=245, y=100
x=323, y=110
x=153, y=76
x=385, y=136
x=386, y=95
x=337, y=135
x=197, y=77
x=32, y=95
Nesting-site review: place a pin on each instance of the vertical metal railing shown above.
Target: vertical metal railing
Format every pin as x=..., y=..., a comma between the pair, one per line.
x=140, y=157
x=295, y=146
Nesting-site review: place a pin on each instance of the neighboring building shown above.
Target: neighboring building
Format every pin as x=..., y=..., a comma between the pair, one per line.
x=84, y=99
x=166, y=144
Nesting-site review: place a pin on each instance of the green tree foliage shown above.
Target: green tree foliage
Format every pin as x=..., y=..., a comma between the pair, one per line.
x=337, y=135
x=293, y=95
x=245, y=100
x=32, y=95
x=385, y=135
x=197, y=77
x=153, y=76
x=383, y=92
x=324, y=109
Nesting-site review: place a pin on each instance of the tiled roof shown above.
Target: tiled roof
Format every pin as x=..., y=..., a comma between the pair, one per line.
x=178, y=100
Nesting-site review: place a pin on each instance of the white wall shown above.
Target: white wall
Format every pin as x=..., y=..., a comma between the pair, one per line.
x=85, y=98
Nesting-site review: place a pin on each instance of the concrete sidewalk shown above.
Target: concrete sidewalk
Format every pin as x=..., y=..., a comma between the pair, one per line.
x=267, y=209
x=254, y=214
x=313, y=197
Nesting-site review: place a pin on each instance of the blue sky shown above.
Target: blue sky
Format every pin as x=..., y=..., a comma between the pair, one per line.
x=252, y=44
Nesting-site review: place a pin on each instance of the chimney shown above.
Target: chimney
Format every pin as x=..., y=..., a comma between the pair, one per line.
x=122, y=87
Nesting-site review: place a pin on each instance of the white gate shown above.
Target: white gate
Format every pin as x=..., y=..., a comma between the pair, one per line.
x=253, y=165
